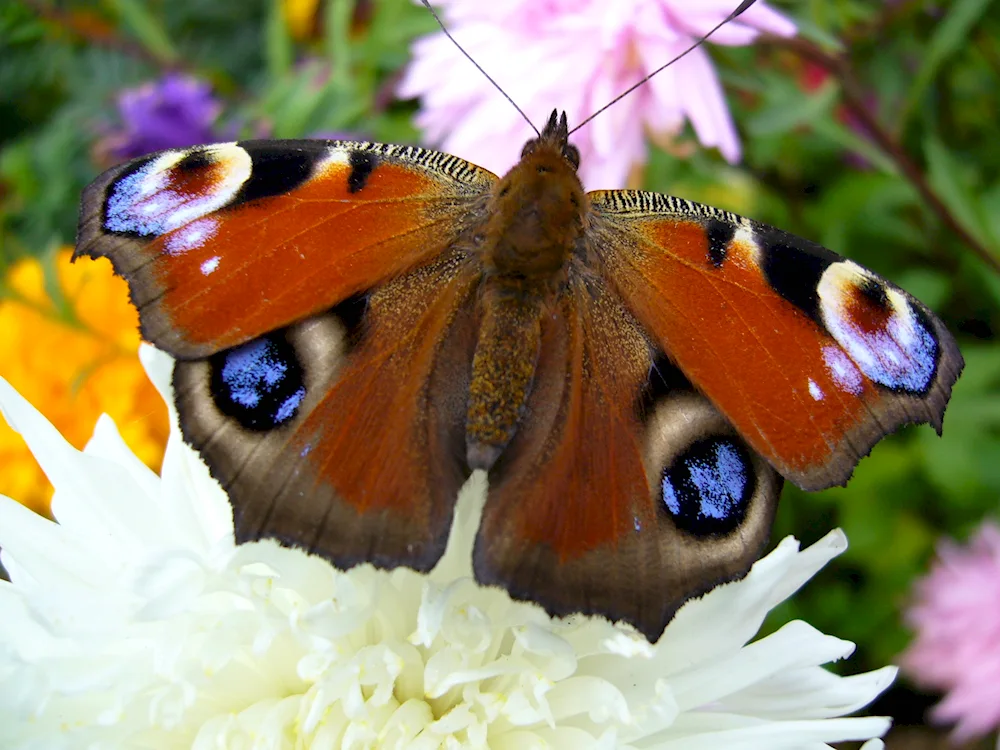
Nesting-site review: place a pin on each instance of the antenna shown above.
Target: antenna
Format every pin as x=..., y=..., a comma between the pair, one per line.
x=698, y=42
x=496, y=85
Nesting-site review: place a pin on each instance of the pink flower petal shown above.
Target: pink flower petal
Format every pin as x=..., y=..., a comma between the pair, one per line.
x=577, y=55
x=956, y=617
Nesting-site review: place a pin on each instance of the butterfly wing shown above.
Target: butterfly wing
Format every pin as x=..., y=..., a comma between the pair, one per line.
x=625, y=492
x=221, y=244
x=312, y=292
x=343, y=434
x=322, y=299
x=810, y=356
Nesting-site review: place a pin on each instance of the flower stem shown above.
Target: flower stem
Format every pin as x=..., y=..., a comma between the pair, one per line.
x=853, y=99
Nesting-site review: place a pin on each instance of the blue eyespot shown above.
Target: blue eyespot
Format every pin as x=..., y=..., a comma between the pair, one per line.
x=708, y=488
x=260, y=384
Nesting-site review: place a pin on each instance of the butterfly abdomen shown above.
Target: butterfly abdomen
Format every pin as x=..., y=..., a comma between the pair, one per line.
x=503, y=369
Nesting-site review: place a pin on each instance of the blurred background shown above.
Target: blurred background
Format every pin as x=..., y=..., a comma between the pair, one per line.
x=873, y=131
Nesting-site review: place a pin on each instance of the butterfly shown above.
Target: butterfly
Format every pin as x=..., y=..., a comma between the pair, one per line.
x=359, y=326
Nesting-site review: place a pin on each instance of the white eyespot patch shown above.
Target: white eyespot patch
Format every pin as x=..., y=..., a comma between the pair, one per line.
x=209, y=266
x=162, y=195
x=815, y=391
x=882, y=332
x=744, y=247
x=842, y=370
x=191, y=236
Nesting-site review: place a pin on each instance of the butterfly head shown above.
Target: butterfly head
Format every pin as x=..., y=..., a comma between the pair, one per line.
x=537, y=216
x=554, y=137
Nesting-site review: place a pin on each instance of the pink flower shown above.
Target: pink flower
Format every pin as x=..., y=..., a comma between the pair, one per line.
x=577, y=55
x=956, y=617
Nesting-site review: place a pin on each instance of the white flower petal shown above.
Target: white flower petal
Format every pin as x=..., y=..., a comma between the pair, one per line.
x=711, y=731
x=176, y=637
x=811, y=693
x=199, y=506
x=795, y=645
x=101, y=485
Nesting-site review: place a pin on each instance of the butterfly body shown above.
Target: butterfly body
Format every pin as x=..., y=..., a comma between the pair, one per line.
x=359, y=326
x=534, y=227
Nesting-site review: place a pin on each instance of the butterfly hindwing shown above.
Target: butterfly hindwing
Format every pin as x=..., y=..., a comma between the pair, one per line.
x=221, y=244
x=811, y=357
x=341, y=434
x=626, y=493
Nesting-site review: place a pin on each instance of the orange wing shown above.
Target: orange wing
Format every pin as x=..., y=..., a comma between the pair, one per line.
x=221, y=244
x=810, y=356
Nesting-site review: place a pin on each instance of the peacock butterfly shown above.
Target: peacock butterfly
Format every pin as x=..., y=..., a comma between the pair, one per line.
x=359, y=326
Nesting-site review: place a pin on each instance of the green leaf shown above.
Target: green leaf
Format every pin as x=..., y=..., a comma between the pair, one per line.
x=962, y=463
x=852, y=141
x=146, y=28
x=790, y=108
x=990, y=201
x=859, y=214
x=280, y=53
x=948, y=179
x=338, y=41
x=950, y=36
x=930, y=287
x=809, y=29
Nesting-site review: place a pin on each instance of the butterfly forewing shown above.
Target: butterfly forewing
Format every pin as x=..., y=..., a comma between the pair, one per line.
x=312, y=289
x=221, y=244
x=811, y=357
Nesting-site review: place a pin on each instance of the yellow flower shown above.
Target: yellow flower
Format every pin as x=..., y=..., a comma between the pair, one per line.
x=75, y=358
x=302, y=18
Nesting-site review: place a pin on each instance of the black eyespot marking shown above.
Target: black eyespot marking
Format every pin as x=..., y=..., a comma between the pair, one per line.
x=665, y=379
x=275, y=170
x=874, y=293
x=794, y=267
x=708, y=488
x=259, y=384
x=352, y=314
x=362, y=163
x=720, y=234
x=194, y=161
x=542, y=169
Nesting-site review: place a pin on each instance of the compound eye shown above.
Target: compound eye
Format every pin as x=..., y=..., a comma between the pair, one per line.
x=529, y=147
x=572, y=153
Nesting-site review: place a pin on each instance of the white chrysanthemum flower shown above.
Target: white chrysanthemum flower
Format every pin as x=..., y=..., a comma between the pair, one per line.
x=137, y=622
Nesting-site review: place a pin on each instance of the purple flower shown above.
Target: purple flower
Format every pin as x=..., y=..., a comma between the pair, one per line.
x=577, y=55
x=175, y=112
x=956, y=616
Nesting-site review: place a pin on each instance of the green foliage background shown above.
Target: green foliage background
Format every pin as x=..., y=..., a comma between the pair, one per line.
x=874, y=133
